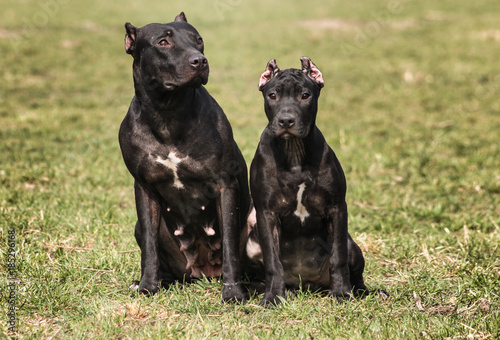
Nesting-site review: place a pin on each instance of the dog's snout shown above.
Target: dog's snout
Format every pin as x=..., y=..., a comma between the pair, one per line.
x=198, y=61
x=286, y=121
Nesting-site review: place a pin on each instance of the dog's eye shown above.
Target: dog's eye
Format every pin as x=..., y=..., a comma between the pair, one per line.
x=272, y=95
x=199, y=41
x=305, y=95
x=163, y=42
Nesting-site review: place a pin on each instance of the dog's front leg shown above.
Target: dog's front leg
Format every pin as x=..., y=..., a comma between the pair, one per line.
x=269, y=238
x=229, y=219
x=340, y=285
x=147, y=228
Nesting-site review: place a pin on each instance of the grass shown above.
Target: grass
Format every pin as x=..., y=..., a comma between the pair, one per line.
x=410, y=106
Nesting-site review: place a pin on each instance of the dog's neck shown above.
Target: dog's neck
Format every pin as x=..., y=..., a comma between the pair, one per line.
x=293, y=151
x=154, y=95
x=165, y=101
x=168, y=113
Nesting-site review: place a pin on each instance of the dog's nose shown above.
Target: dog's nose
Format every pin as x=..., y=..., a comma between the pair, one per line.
x=286, y=121
x=198, y=61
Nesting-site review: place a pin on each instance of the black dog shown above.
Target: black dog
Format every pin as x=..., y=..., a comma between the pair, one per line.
x=299, y=189
x=191, y=187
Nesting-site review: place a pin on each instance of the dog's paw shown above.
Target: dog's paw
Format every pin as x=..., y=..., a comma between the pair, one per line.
x=381, y=294
x=232, y=292
x=143, y=288
x=134, y=288
x=377, y=293
x=272, y=301
x=341, y=297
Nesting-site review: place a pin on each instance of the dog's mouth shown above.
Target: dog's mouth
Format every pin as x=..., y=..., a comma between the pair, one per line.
x=169, y=86
x=287, y=133
x=200, y=79
x=299, y=130
x=195, y=81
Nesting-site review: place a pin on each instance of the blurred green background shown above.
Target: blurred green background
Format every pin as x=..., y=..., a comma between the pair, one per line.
x=411, y=107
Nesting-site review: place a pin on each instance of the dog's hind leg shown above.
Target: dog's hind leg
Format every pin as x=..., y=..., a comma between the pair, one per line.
x=356, y=267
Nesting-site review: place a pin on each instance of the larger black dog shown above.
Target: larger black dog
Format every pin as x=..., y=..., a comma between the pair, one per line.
x=191, y=188
x=299, y=188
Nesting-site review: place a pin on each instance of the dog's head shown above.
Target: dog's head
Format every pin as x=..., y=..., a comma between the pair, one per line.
x=291, y=98
x=167, y=56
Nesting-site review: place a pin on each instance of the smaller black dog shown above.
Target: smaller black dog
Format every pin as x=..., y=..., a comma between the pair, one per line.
x=299, y=189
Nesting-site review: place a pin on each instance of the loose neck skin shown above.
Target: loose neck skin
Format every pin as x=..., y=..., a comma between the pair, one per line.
x=153, y=95
x=293, y=152
x=165, y=111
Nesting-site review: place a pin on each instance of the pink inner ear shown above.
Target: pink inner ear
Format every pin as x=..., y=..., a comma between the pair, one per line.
x=271, y=70
x=128, y=43
x=317, y=75
x=312, y=71
x=265, y=77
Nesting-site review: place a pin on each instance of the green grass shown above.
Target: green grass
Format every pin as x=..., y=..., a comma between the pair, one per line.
x=410, y=106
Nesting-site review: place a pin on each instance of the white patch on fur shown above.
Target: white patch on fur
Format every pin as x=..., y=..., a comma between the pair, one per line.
x=179, y=231
x=254, y=251
x=209, y=230
x=252, y=218
x=171, y=162
x=301, y=210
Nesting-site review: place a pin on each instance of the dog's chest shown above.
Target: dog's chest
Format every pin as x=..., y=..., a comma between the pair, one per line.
x=179, y=171
x=302, y=201
x=174, y=173
x=168, y=168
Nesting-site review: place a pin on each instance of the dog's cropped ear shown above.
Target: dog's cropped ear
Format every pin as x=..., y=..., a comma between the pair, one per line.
x=181, y=17
x=272, y=70
x=130, y=38
x=312, y=71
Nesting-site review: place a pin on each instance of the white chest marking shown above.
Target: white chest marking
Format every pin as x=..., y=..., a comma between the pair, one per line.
x=301, y=210
x=171, y=162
